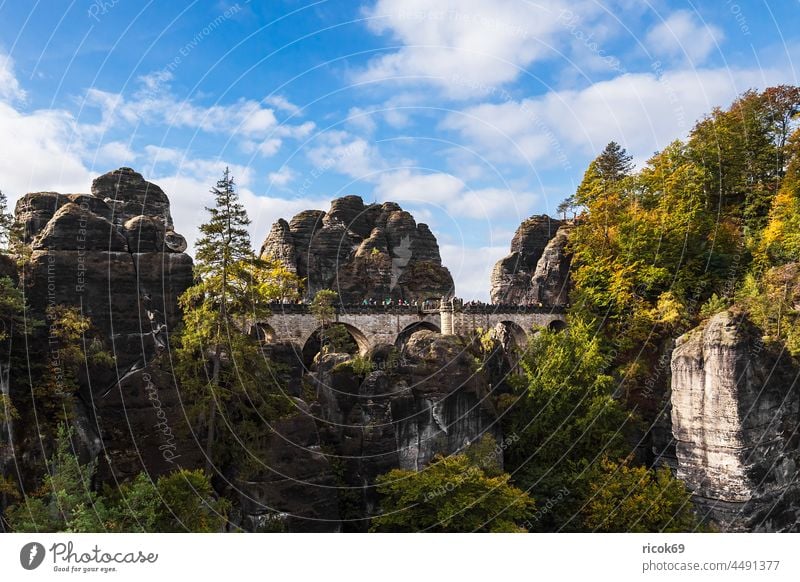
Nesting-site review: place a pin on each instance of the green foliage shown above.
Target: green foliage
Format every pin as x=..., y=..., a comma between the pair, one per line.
x=631, y=499
x=565, y=417
x=714, y=305
x=780, y=243
x=224, y=239
x=566, y=206
x=654, y=251
x=771, y=300
x=450, y=495
x=73, y=347
x=189, y=503
x=686, y=223
x=66, y=501
x=13, y=328
x=323, y=306
x=223, y=370
x=180, y=501
x=335, y=339
x=8, y=411
x=12, y=307
x=6, y=223
x=613, y=164
x=486, y=454
x=645, y=241
x=362, y=365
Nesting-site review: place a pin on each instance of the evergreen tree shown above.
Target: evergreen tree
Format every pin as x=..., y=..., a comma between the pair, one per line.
x=614, y=163
x=67, y=501
x=6, y=223
x=219, y=362
x=567, y=205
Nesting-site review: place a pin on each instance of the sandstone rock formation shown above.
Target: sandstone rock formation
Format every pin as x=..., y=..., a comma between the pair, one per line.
x=537, y=269
x=295, y=490
x=423, y=401
x=735, y=417
x=115, y=256
x=361, y=251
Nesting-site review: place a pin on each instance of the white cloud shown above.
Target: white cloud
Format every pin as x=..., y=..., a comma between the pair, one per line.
x=153, y=103
x=342, y=152
x=361, y=119
x=282, y=177
x=407, y=186
x=188, y=186
x=114, y=153
x=644, y=112
x=41, y=151
x=10, y=89
x=495, y=202
x=471, y=267
x=451, y=194
x=464, y=45
x=282, y=103
x=46, y=149
x=683, y=34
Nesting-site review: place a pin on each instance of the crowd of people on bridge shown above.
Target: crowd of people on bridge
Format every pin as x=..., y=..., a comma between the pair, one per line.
x=427, y=304
x=389, y=301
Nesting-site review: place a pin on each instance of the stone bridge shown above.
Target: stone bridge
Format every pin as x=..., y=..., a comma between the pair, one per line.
x=372, y=325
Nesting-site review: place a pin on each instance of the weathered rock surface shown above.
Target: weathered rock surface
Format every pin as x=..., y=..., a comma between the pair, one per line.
x=296, y=489
x=361, y=251
x=537, y=269
x=425, y=401
x=129, y=195
x=550, y=280
x=114, y=254
x=735, y=417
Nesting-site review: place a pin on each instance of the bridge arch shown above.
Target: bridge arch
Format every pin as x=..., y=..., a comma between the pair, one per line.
x=412, y=328
x=557, y=325
x=313, y=343
x=264, y=333
x=513, y=331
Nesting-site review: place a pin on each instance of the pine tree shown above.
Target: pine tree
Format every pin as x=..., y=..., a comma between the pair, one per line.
x=225, y=242
x=234, y=290
x=68, y=501
x=614, y=163
x=6, y=223
x=567, y=205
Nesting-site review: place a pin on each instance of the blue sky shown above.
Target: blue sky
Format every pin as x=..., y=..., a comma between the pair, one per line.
x=472, y=114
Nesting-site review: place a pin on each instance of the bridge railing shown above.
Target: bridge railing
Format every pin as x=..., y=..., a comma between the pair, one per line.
x=360, y=309
x=490, y=308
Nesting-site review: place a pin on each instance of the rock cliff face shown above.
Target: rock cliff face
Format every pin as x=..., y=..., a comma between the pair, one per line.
x=537, y=269
x=114, y=254
x=735, y=417
x=296, y=489
x=361, y=251
x=424, y=401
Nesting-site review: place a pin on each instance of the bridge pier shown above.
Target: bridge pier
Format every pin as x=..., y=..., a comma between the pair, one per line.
x=446, y=317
